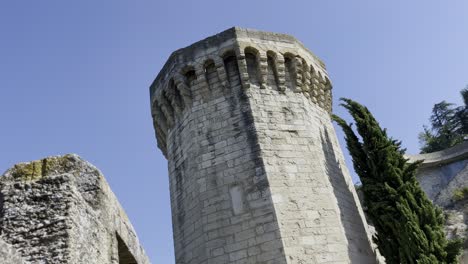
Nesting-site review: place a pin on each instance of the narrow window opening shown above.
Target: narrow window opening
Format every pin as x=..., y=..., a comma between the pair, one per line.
x=168, y=105
x=232, y=70
x=290, y=74
x=272, y=78
x=211, y=74
x=252, y=68
x=190, y=78
x=162, y=121
x=177, y=96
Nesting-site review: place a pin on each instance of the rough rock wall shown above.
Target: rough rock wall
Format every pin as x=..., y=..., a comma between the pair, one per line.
x=61, y=210
x=256, y=173
x=444, y=177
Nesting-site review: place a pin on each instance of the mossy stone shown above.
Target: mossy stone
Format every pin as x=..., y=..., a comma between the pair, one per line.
x=35, y=170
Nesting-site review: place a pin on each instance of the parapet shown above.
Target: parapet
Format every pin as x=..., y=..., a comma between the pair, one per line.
x=61, y=210
x=265, y=61
x=440, y=158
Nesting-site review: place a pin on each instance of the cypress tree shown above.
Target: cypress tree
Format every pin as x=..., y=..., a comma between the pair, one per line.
x=409, y=227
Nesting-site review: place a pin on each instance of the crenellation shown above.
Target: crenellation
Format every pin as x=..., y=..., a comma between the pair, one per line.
x=289, y=70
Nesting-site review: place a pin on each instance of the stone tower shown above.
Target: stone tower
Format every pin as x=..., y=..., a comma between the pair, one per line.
x=256, y=171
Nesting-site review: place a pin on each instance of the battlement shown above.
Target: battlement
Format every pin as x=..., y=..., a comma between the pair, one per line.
x=264, y=60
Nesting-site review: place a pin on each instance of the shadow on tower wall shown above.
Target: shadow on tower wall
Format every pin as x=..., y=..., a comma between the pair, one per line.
x=353, y=226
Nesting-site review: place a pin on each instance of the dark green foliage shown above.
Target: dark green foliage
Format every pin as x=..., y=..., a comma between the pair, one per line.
x=409, y=227
x=462, y=113
x=449, y=126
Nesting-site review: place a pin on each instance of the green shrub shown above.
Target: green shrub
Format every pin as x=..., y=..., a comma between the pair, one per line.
x=460, y=194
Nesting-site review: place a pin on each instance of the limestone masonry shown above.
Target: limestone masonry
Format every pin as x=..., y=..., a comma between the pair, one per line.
x=61, y=210
x=256, y=171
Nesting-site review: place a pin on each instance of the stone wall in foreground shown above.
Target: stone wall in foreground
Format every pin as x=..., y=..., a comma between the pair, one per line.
x=61, y=210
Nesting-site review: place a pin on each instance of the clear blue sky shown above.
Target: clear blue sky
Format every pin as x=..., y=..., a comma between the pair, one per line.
x=74, y=76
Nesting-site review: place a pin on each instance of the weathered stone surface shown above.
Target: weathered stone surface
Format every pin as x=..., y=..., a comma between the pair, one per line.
x=443, y=172
x=61, y=210
x=256, y=172
x=8, y=255
x=442, y=175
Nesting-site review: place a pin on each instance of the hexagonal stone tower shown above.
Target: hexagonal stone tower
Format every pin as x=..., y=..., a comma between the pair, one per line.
x=256, y=171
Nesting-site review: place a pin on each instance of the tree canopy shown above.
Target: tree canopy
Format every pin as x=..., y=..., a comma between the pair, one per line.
x=449, y=126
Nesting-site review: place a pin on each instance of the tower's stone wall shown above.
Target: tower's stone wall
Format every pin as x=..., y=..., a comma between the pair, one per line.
x=256, y=173
x=312, y=191
x=61, y=210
